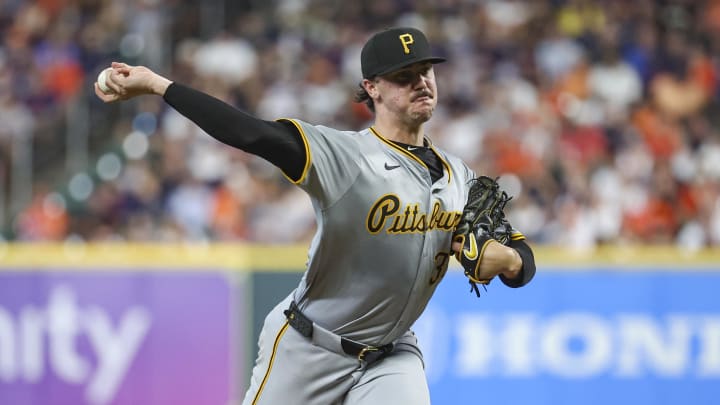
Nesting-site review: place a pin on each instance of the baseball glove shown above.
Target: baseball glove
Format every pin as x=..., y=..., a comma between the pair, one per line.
x=482, y=221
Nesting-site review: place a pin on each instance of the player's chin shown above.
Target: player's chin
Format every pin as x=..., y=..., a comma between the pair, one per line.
x=423, y=114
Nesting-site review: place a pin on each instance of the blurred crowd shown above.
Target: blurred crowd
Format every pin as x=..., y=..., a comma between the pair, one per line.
x=600, y=117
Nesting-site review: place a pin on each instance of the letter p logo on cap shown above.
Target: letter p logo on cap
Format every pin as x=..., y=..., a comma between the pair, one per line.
x=406, y=39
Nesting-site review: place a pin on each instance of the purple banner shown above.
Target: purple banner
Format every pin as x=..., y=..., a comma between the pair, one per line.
x=117, y=338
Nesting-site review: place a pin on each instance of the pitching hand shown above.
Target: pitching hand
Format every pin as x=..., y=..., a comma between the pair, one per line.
x=126, y=82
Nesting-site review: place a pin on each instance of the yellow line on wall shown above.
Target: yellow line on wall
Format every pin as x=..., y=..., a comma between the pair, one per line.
x=243, y=257
x=651, y=257
x=109, y=256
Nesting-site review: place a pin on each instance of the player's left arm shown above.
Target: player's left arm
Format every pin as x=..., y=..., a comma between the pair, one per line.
x=514, y=263
x=526, y=272
x=484, y=241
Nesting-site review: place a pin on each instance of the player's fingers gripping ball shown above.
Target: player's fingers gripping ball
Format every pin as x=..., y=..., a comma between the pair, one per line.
x=482, y=221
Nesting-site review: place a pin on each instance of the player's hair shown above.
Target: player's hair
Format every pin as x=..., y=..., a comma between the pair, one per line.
x=362, y=96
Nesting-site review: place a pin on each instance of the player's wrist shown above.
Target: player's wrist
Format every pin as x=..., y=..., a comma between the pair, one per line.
x=159, y=85
x=515, y=264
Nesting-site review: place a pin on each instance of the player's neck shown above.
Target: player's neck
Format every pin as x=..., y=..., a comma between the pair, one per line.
x=393, y=131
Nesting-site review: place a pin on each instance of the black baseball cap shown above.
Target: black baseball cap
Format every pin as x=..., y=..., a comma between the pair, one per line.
x=393, y=49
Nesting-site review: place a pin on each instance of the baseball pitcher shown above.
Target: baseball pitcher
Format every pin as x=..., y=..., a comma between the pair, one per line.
x=391, y=209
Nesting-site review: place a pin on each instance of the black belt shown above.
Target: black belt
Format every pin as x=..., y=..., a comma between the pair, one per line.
x=304, y=326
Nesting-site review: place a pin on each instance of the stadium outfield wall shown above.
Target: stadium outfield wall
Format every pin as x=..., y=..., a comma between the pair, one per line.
x=156, y=324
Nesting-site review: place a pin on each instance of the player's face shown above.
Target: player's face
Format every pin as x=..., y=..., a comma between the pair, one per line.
x=410, y=92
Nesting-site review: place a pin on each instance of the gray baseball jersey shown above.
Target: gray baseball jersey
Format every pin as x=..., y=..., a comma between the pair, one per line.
x=382, y=246
x=384, y=232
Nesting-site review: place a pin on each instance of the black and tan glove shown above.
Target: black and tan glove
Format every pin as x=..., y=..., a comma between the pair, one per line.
x=482, y=221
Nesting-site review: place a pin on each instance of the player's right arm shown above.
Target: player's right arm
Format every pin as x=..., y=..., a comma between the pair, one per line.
x=277, y=142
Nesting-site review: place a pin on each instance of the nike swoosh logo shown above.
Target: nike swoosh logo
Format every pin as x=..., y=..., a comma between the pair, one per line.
x=388, y=167
x=471, y=254
x=411, y=148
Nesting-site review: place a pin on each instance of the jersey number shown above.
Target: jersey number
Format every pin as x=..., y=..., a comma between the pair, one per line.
x=441, y=265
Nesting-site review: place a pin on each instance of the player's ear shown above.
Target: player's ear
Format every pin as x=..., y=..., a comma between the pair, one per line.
x=370, y=86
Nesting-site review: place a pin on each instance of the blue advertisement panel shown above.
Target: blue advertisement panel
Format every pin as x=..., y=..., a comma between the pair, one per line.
x=593, y=338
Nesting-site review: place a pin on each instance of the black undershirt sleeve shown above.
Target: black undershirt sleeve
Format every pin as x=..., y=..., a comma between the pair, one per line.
x=276, y=141
x=528, y=268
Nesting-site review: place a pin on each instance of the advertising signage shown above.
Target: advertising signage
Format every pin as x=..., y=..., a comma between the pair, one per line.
x=116, y=338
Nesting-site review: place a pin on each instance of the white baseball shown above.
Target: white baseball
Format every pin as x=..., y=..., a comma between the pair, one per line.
x=102, y=77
